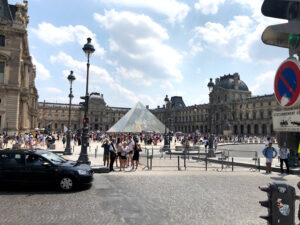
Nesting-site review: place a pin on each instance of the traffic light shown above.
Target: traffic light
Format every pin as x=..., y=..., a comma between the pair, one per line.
x=280, y=204
x=84, y=105
x=285, y=35
x=85, y=121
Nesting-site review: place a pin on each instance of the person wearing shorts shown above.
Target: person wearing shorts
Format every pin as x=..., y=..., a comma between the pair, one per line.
x=124, y=151
x=268, y=152
x=131, y=149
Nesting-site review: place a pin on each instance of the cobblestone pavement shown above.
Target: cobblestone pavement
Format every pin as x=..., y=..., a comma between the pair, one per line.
x=145, y=197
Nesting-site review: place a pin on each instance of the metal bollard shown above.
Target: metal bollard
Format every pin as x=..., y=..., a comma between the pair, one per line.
x=151, y=162
x=96, y=150
x=258, y=162
x=206, y=162
x=184, y=157
x=178, y=162
x=222, y=162
x=148, y=158
x=232, y=163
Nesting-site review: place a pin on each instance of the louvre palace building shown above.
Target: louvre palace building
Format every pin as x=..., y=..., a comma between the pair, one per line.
x=18, y=95
x=231, y=108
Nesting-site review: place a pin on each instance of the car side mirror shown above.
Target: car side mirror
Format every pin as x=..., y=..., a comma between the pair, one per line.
x=46, y=164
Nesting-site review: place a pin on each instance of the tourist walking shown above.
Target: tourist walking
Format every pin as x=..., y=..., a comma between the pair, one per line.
x=131, y=149
x=283, y=156
x=136, y=155
x=63, y=139
x=268, y=152
x=113, y=155
x=5, y=141
x=215, y=144
x=124, y=151
x=106, y=147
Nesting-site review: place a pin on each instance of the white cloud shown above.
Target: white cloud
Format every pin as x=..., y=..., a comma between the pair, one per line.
x=53, y=35
x=98, y=76
x=52, y=90
x=41, y=72
x=137, y=44
x=133, y=75
x=240, y=38
x=208, y=6
x=174, y=10
x=230, y=40
x=263, y=83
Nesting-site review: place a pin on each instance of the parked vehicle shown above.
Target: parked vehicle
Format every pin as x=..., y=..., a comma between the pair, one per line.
x=42, y=167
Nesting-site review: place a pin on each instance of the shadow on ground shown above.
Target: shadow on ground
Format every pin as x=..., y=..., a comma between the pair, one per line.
x=17, y=189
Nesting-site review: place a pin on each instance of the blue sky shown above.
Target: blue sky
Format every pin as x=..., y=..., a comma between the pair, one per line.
x=147, y=49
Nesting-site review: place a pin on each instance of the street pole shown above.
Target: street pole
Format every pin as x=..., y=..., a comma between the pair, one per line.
x=83, y=157
x=166, y=123
x=71, y=78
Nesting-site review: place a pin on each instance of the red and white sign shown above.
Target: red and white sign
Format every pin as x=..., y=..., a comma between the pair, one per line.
x=287, y=83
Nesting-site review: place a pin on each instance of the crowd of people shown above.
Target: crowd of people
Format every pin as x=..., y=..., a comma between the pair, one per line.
x=123, y=149
x=126, y=151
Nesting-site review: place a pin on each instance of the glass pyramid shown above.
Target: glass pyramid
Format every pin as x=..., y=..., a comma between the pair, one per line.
x=138, y=119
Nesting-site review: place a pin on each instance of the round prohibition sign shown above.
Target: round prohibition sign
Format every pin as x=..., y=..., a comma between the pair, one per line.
x=287, y=83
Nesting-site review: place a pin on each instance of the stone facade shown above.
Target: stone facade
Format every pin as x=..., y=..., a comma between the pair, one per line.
x=18, y=95
x=231, y=110
x=54, y=116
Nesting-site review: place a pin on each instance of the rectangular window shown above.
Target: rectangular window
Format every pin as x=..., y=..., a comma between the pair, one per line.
x=2, y=65
x=2, y=40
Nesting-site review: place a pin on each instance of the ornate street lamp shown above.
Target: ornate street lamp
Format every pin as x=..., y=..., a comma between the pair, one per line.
x=88, y=49
x=210, y=86
x=166, y=144
x=71, y=78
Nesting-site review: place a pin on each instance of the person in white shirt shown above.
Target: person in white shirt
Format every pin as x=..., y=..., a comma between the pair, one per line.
x=283, y=156
x=131, y=149
x=124, y=151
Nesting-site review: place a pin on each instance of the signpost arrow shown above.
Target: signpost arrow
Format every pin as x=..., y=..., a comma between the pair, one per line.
x=287, y=83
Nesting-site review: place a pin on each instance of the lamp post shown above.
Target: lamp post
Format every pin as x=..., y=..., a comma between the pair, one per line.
x=166, y=144
x=210, y=86
x=88, y=49
x=71, y=78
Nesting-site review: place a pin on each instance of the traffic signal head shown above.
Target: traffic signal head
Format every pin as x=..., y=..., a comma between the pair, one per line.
x=85, y=121
x=280, y=204
x=285, y=35
x=84, y=105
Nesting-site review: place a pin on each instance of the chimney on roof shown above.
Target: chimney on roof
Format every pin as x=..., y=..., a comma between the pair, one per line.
x=236, y=78
x=101, y=95
x=217, y=80
x=158, y=106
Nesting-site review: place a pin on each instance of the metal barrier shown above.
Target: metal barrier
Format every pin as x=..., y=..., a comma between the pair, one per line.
x=200, y=159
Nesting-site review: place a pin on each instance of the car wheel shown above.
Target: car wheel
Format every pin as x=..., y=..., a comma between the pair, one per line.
x=66, y=183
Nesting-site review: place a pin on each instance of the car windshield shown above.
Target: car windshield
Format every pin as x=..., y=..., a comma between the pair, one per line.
x=53, y=158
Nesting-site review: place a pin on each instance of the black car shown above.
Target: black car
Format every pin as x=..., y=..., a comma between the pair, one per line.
x=42, y=167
